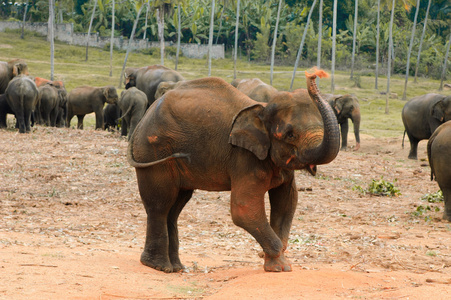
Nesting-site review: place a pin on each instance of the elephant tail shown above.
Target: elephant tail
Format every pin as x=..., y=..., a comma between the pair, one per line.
x=403, y=136
x=127, y=112
x=136, y=164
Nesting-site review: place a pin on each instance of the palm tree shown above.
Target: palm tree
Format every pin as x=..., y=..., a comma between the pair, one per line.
x=444, y=64
x=421, y=40
x=139, y=6
x=145, y=22
x=23, y=21
x=163, y=7
x=236, y=38
x=334, y=40
x=210, y=37
x=273, y=51
x=404, y=96
x=389, y=56
x=320, y=34
x=179, y=32
x=51, y=33
x=354, y=36
x=90, y=26
x=377, y=39
x=301, y=46
x=112, y=39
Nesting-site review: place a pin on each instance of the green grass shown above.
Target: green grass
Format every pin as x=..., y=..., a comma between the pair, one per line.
x=71, y=67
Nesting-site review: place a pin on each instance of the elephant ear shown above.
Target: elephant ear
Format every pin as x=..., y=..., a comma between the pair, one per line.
x=249, y=131
x=338, y=103
x=437, y=111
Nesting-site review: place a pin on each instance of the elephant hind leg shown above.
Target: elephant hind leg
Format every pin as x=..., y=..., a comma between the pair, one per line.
x=158, y=198
x=413, y=147
x=183, y=197
x=80, y=121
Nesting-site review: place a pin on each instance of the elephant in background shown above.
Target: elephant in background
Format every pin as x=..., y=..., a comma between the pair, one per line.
x=166, y=86
x=133, y=104
x=421, y=116
x=207, y=135
x=255, y=89
x=22, y=97
x=87, y=99
x=346, y=107
x=52, y=105
x=4, y=111
x=42, y=81
x=148, y=78
x=439, y=149
x=111, y=115
x=9, y=70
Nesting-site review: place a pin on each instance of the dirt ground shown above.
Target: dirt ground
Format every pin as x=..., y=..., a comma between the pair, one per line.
x=73, y=227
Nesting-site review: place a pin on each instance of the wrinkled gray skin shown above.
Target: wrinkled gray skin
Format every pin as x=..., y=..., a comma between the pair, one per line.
x=111, y=115
x=421, y=116
x=346, y=107
x=133, y=104
x=4, y=111
x=166, y=86
x=8, y=70
x=255, y=89
x=84, y=100
x=439, y=154
x=52, y=101
x=207, y=135
x=148, y=78
x=22, y=97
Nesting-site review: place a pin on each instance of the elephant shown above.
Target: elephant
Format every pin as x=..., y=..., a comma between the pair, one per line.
x=346, y=107
x=165, y=86
x=8, y=70
x=4, y=111
x=42, y=81
x=87, y=99
x=147, y=79
x=111, y=115
x=22, y=97
x=439, y=149
x=52, y=104
x=207, y=135
x=255, y=89
x=133, y=104
x=421, y=116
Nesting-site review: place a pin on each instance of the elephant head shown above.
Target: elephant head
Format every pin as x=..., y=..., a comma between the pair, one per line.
x=290, y=129
x=110, y=94
x=20, y=68
x=130, y=77
x=442, y=109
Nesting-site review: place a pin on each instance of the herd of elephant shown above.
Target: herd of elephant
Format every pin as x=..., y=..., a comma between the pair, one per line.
x=245, y=137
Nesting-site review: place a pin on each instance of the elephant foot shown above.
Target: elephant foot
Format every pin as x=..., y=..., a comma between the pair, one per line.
x=177, y=268
x=446, y=217
x=357, y=147
x=157, y=264
x=277, y=264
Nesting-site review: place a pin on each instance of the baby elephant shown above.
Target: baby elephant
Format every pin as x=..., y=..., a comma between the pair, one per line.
x=439, y=149
x=133, y=104
x=84, y=100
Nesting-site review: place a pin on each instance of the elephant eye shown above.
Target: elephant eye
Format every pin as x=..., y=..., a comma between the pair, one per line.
x=290, y=135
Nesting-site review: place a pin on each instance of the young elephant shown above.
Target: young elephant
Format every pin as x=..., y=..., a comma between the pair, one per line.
x=133, y=104
x=111, y=115
x=255, y=89
x=87, y=99
x=346, y=107
x=207, y=135
x=421, y=116
x=4, y=111
x=52, y=101
x=439, y=150
x=22, y=97
x=166, y=86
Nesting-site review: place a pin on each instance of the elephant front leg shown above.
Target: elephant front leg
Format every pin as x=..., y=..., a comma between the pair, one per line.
x=248, y=212
x=344, y=135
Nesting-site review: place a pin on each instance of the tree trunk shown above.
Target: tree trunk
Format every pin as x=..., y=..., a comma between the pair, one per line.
x=179, y=33
x=377, y=40
x=129, y=47
x=160, y=21
x=51, y=36
x=320, y=34
x=404, y=95
x=334, y=41
x=356, y=13
x=390, y=41
x=273, y=50
x=210, y=38
x=23, y=21
x=112, y=39
x=220, y=26
x=444, y=64
x=236, y=38
x=301, y=46
x=89, y=30
x=145, y=23
x=421, y=41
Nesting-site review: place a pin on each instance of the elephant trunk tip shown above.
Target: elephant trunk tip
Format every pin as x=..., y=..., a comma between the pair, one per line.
x=316, y=73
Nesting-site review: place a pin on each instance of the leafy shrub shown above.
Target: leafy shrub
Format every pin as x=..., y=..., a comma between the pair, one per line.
x=434, y=197
x=380, y=187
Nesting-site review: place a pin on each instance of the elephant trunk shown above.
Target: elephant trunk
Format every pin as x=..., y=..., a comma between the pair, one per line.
x=355, y=117
x=328, y=149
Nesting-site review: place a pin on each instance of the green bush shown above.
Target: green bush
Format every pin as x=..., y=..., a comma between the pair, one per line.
x=380, y=187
